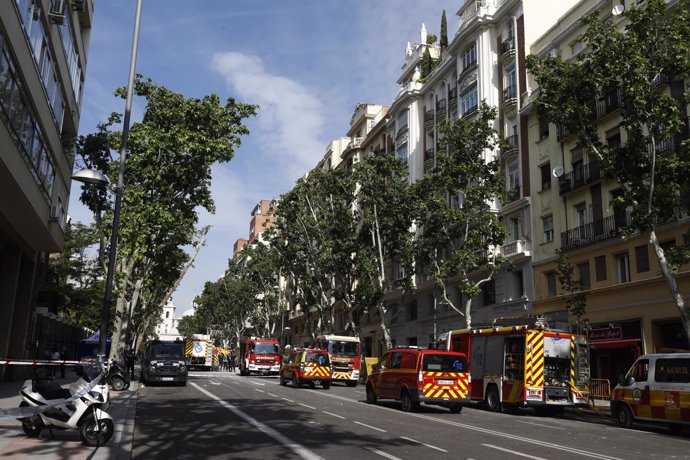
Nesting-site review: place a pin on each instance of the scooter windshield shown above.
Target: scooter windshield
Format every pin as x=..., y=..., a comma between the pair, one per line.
x=91, y=371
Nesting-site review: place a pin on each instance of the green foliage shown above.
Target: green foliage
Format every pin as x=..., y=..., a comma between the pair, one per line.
x=455, y=243
x=444, y=31
x=431, y=39
x=427, y=65
x=575, y=296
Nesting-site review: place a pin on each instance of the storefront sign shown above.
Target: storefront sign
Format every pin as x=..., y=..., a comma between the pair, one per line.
x=609, y=333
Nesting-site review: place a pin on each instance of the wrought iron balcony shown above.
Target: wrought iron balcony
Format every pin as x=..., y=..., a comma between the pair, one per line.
x=579, y=177
x=453, y=95
x=512, y=144
x=507, y=46
x=594, y=232
x=509, y=93
x=608, y=103
x=428, y=116
x=441, y=109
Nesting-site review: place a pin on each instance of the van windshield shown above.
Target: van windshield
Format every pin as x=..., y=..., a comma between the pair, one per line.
x=266, y=349
x=166, y=350
x=444, y=363
x=341, y=348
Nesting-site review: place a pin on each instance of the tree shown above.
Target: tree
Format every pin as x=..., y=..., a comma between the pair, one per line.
x=386, y=208
x=444, y=32
x=456, y=243
x=167, y=181
x=625, y=67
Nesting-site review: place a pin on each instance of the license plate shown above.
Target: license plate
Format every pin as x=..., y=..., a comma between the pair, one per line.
x=446, y=382
x=168, y=379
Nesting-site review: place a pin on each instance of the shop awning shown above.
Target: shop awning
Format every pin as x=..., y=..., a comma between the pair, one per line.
x=622, y=343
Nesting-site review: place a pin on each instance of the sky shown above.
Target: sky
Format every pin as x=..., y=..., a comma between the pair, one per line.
x=306, y=63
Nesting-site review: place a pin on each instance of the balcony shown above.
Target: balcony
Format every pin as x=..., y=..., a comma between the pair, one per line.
x=562, y=133
x=512, y=145
x=517, y=247
x=512, y=195
x=608, y=104
x=429, y=119
x=453, y=96
x=507, y=48
x=579, y=177
x=594, y=232
x=510, y=94
x=401, y=131
x=441, y=109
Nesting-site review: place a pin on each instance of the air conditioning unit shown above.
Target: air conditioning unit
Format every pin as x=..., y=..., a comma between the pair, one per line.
x=79, y=5
x=56, y=14
x=54, y=212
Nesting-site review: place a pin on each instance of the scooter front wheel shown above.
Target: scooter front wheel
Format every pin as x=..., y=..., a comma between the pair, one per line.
x=31, y=429
x=96, y=433
x=118, y=383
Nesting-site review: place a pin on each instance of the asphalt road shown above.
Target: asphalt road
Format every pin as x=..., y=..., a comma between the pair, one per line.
x=224, y=415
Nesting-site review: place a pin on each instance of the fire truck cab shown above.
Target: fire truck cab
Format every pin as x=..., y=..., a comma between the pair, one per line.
x=523, y=366
x=259, y=356
x=345, y=354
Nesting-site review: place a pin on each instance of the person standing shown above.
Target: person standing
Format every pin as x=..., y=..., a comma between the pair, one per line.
x=129, y=362
x=220, y=361
x=231, y=359
x=56, y=357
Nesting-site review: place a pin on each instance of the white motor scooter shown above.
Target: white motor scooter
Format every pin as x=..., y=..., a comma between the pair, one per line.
x=81, y=407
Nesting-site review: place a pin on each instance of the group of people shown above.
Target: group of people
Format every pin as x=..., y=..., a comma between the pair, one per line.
x=226, y=362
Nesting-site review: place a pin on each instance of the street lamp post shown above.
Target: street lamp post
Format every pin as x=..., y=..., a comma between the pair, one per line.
x=112, y=252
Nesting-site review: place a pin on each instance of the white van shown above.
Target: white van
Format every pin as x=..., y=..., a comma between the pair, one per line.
x=655, y=389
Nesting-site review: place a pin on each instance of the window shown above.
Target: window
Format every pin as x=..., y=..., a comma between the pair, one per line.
x=642, y=256
x=551, y=284
x=402, y=122
x=489, y=292
x=517, y=284
x=469, y=101
x=543, y=127
x=409, y=360
x=510, y=83
x=514, y=178
x=167, y=314
x=401, y=153
x=576, y=47
x=623, y=268
x=640, y=371
x=396, y=360
x=585, y=282
x=600, y=267
x=547, y=225
x=673, y=370
x=412, y=311
x=545, y=176
x=469, y=59
x=514, y=229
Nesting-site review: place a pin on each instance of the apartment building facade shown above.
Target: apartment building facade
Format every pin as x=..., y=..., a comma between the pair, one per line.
x=484, y=61
x=43, y=57
x=628, y=306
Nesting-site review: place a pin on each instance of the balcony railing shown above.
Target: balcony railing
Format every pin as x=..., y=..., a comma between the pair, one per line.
x=579, y=177
x=402, y=130
x=512, y=195
x=428, y=116
x=453, y=95
x=507, y=46
x=520, y=246
x=509, y=93
x=440, y=104
x=562, y=133
x=594, y=232
x=609, y=103
x=512, y=143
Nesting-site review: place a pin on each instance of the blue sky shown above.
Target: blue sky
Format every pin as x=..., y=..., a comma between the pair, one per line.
x=307, y=63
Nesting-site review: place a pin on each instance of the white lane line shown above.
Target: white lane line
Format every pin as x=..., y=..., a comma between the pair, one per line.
x=542, y=425
x=382, y=453
x=423, y=444
x=308, y=407
x=274, y=395
x=369, y=426
x=288, y=400
x=260, y=391
x=513, y=452
x=298, y=449
x=334, y=415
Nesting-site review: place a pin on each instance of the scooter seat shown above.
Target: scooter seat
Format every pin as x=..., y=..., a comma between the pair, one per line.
x=51, y=390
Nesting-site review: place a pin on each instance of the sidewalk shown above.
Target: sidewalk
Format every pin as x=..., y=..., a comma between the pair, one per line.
x=14, y=444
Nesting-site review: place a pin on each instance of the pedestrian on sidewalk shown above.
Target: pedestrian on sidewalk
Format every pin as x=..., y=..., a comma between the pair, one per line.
x=232, y=362
x=129, y=362
x=220, y=361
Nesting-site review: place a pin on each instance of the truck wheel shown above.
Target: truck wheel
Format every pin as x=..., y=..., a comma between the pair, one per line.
x=295, y=381
x=351, y=383
x=325, y=385
x=455, y=408
x=493, y=401
x=282, y=380
x=407, y=404
x=371, y=396
x=625, y=416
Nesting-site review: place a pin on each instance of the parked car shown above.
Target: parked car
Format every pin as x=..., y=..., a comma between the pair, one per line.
x=306, y=366
x=655, y=389
x=414, y=375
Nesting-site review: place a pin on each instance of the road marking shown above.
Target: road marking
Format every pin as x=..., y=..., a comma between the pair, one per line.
x=334, y=415
x=214, y=383
x=500, y=434
x=298, y=449
x=369, y=426
x=288, y=400
x=382, y=453
x=542, y=425
x=274, y=395
x=260, y=391
x=309, y=407
x=423, y=444
x=513, y=452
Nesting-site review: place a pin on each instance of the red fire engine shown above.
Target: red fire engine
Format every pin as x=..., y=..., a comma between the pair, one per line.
x=345, y=354
x=259, y=356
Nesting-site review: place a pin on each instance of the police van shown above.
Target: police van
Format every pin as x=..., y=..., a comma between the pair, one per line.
x=655, y=389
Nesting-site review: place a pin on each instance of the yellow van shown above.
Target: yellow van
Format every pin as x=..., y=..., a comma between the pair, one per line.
x=655, y=389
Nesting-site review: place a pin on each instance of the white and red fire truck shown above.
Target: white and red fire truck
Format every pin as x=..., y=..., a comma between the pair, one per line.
x=259, y=356
x=345, y=354
x=199, y=352
x=524, y=365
